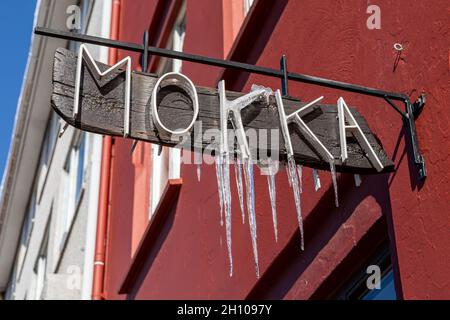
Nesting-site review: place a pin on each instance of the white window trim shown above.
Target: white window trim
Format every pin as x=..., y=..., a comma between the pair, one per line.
x=40, y=268
x=179, y=33
x=247, y=6
x=27, y=231
x=68, y=205
x=50, y=138
x=167, y=165
x=40, y=276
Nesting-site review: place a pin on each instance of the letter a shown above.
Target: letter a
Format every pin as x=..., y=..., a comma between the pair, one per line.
x=343, y=115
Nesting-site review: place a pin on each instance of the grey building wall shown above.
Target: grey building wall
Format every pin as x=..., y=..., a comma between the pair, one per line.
x=52, y=259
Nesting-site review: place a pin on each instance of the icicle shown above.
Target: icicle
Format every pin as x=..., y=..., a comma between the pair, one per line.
x=357, y=178
x=240, y=188
x=333, y=177
x=226, y=193
x=199, y=171
x=289, y=179
x=316, y=178
x=219, y=176
x=249, y=186
x=269, y=167
x=300, y=176
x=234, y=108
x=272, y=193
x=198, y=161
x=295, y=186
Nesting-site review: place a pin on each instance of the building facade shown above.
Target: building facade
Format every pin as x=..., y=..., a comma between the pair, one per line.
x=50, y=193
x=392, y=221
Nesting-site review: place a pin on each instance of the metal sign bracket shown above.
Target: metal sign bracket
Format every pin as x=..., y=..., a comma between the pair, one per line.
x=412, y=110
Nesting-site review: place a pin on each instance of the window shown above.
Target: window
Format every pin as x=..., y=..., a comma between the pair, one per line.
x=387, y=290
x=27, y=227
x=11, y=288
x=357, y=288
x=50, y=138
x=40, y=269
x=86, y=8
x=166, y=165
x=72, y=186
x=48, y=146
x=31, y=289
x=80, y=154
x=47, y=149
x=85, y=13
x=72, y=176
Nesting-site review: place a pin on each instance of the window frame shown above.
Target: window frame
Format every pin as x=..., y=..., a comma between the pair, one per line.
x=69, y=196
x=41, y=264
x=167, y=164
x=247, y=6
x=356, y=288
x=27, y=229
x=48, y=147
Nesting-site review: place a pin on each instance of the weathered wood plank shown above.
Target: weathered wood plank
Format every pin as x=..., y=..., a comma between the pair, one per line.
x=102, y=111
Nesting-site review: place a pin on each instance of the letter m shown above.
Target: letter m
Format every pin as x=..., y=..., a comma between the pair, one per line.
x=84, y=55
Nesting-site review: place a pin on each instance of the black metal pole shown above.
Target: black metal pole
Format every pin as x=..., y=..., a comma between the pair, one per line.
x=404, y=115
x=144, y=53
x=284, y=80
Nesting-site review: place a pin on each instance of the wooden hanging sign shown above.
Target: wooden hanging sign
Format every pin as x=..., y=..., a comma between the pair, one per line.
x=116, y=101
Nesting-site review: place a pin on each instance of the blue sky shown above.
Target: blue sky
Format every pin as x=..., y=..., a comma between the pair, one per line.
x=16, y=24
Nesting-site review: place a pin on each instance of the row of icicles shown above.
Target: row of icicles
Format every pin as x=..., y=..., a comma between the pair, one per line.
x=245, y=167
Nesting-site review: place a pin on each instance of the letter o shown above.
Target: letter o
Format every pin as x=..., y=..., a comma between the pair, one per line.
x=193, y=93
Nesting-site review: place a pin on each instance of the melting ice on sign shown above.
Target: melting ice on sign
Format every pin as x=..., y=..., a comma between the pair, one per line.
x=295, y=186
x=272, y=194
x=316, y=179
x=291, y=166
x=250, y=194
x=300, y=176
x=219, y=186
x=234, y=108
x=289, y=180
x=240, y=188
x=333, y=177
x=224, y=177
x=271, y=168
x=198, y=161
x=357, y=178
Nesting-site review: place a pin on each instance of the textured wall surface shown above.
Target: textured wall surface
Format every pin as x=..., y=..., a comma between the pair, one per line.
x=328, y=39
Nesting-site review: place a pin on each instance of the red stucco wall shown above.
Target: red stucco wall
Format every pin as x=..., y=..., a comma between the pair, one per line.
x=328, y=39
